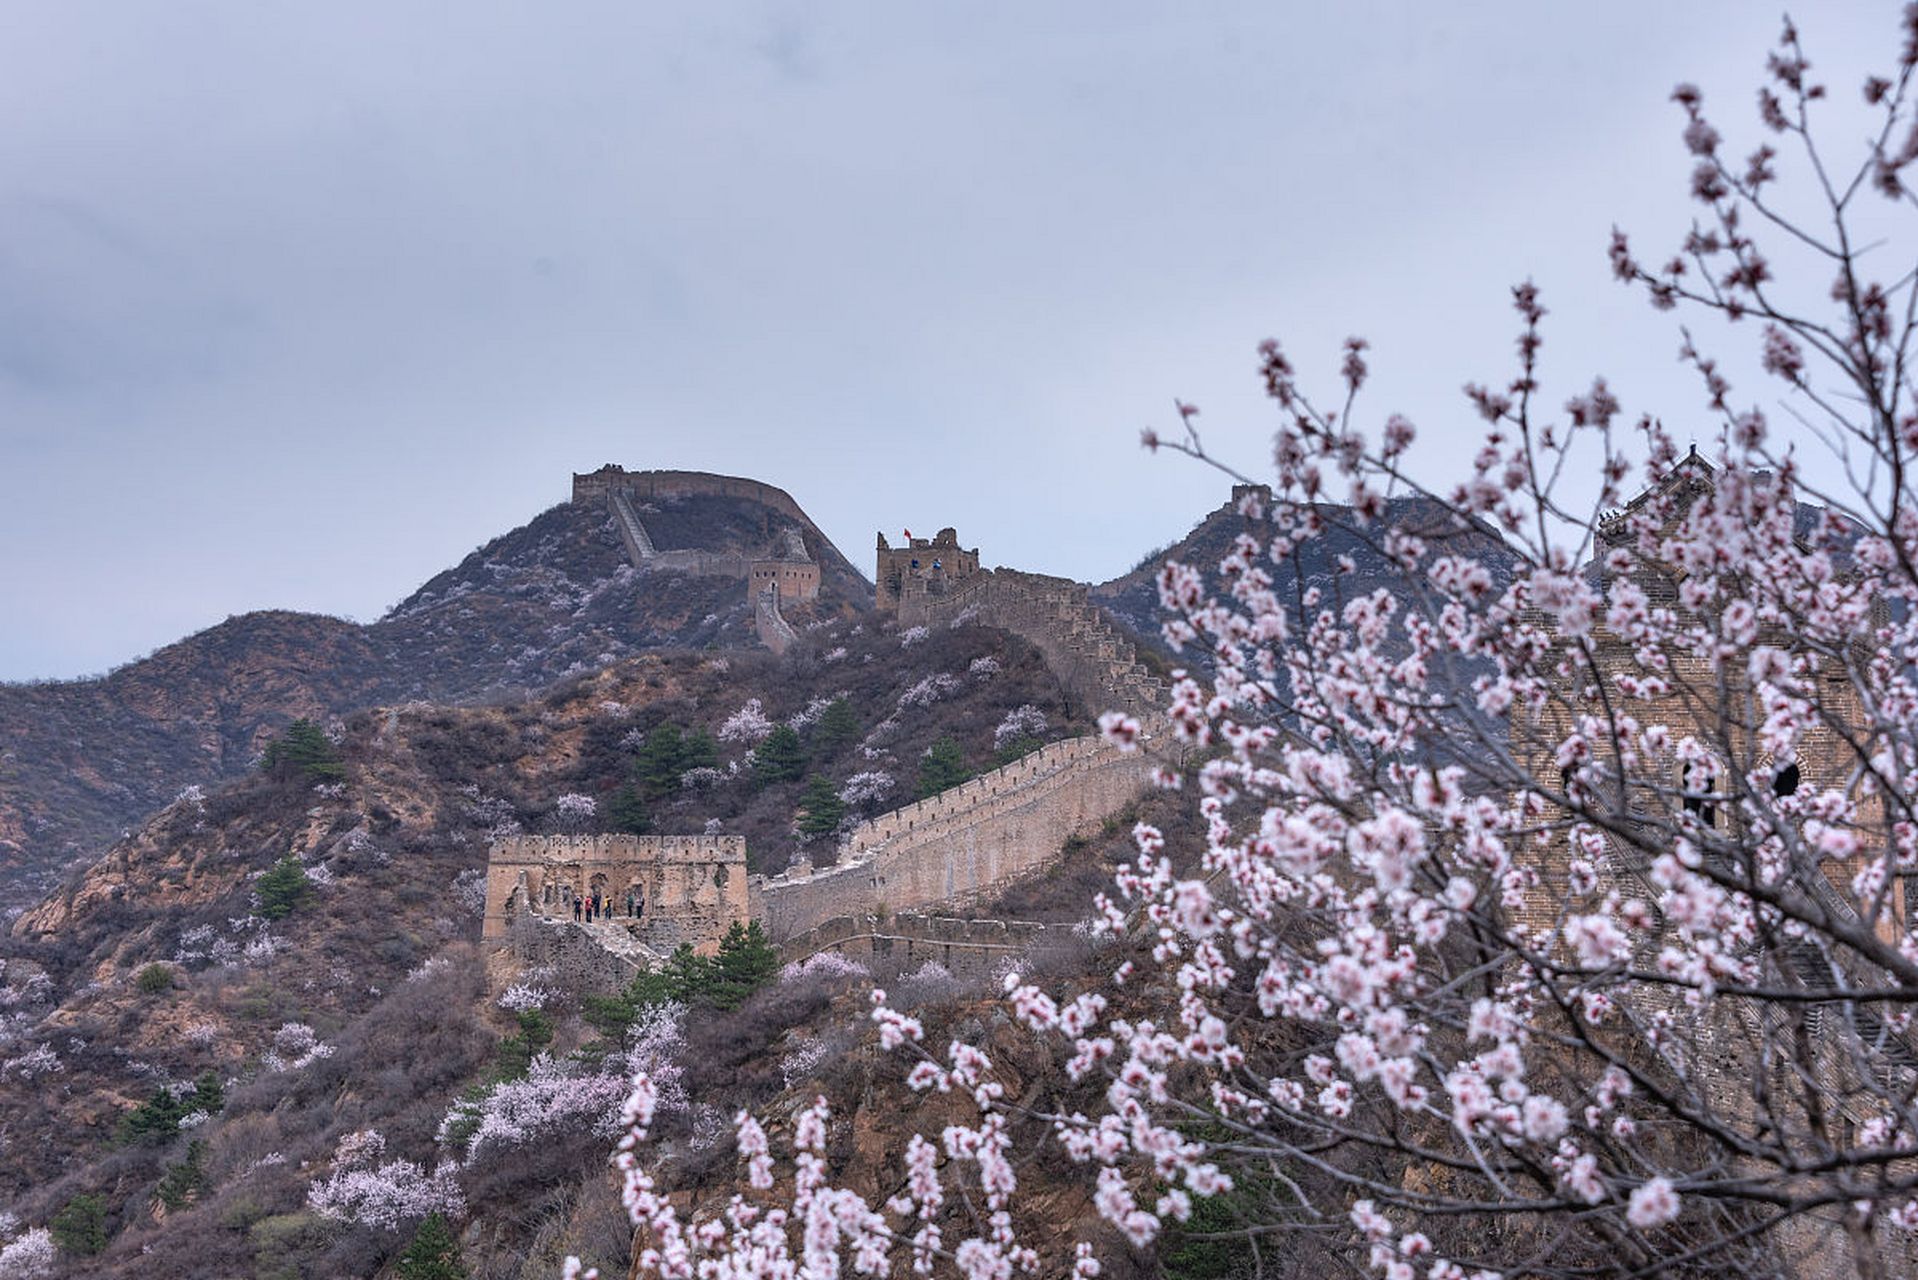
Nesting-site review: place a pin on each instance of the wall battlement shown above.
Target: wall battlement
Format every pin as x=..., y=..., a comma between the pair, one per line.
x=1098, y=665
x=892, y=946
x=963, y=845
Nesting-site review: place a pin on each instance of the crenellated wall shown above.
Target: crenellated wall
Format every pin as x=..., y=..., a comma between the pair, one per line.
x=893, y=945
x=1096, y=663
x=963, y=845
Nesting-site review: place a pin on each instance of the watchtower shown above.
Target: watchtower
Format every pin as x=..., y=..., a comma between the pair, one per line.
x=923, y=566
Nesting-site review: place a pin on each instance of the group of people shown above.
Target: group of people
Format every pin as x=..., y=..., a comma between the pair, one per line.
x=604, y=907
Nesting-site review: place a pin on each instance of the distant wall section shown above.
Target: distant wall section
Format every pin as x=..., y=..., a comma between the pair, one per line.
x=963, y=845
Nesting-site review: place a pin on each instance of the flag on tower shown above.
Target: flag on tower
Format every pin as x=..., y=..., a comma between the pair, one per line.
x=908, y=534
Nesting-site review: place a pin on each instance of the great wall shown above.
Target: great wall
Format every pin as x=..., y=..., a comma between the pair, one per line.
x=949, y=852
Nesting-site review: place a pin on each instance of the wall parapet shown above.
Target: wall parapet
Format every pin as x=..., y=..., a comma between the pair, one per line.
x=964, y=845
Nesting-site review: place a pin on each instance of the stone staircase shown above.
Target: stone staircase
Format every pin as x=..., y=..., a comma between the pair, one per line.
x=639, y=547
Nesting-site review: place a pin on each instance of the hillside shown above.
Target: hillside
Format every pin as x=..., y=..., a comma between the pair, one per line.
x=376, y=963
x=84, y=760
x=1132, y=598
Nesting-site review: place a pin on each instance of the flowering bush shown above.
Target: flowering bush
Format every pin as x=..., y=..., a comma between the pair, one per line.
x=867, y=788
x=295, y=1045
x=1025, y=721
x=928, y=691
x=748, y=724
x=387, y=1197
x=912, y=636
x=38, y=1061
x=28, y=1257
x=574, y=811
x=556, y=1099
x=983, y=668
x=521, y=996
x=1548, y=917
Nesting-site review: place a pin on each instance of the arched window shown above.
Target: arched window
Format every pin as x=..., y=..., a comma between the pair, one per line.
x=1785, y=781
x=1697, y=804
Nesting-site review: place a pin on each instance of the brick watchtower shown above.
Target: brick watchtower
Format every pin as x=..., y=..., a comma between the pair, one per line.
x=924, y=566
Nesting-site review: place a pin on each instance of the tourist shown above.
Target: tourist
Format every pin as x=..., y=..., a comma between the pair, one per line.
x=576, y=910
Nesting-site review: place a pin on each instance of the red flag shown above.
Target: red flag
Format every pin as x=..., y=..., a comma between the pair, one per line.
x=908, y=534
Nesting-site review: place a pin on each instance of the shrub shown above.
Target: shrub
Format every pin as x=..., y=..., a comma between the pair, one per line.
x=81, y=1227
x=154, y=979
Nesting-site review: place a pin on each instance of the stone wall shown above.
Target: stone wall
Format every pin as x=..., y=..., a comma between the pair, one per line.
x=1096, y=663
x=769, y=624
x=889, y=946
x=581, y=961
x=963, y=845
x=688, y=888
x=595, y=486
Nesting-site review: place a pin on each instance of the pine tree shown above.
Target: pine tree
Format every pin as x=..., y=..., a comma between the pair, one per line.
x=283, y=888
x=780, y=758
x=942, y=768
x=627, y=811
x=838, y=727
x=657, y=768
x=746, y=962
x=81, y=1227
x=303, y=753
x=434, y=1253
x=820, y=808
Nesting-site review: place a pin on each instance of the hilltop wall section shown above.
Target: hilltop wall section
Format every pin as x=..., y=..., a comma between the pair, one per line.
x=790, y=572
x=962, y=845
x=1098, y=666
x=597, y=486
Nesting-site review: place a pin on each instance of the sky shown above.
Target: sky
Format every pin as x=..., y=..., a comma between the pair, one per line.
x=301, y=303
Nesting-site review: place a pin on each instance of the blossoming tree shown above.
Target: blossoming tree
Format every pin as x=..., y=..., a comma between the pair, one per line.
x=1551, y=916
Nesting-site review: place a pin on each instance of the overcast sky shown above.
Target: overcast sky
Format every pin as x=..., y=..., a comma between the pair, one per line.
x=300, y=303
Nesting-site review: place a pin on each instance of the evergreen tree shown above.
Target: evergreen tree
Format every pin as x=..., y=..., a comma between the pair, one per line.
x=780, y=758
x=303, y=753
x=656, y=769
x=820, y=808
x=627, y=811
x=697, y=750
x=838, y=727
x=282, y=888
x=942, y=768
x=183, y=1181
x=434, y=1253
x=746, y=962
x=81, y=1227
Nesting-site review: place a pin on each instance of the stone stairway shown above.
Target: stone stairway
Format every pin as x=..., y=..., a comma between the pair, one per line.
x=639, y=547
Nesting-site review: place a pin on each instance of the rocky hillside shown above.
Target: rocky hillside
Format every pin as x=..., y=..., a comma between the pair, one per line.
x=82, y=761
x=191, y=1030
